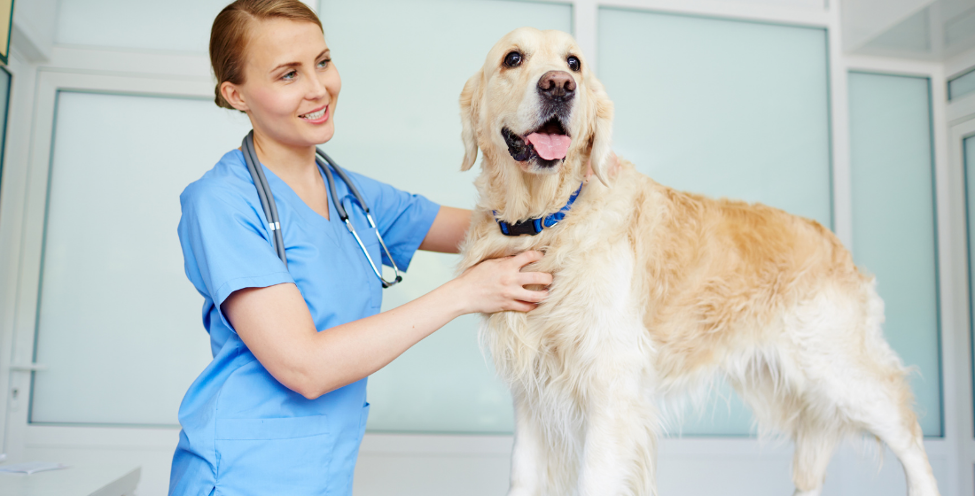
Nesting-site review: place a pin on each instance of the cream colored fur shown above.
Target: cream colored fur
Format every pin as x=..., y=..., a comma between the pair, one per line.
x=656, y=291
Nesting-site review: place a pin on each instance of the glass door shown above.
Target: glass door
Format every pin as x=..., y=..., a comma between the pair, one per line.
x=118, y=324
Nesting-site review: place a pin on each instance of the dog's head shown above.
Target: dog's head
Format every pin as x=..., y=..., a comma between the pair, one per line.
x=537, y=102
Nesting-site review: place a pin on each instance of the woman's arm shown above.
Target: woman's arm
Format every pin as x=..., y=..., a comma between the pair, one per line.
x=274, y=322
x=448, y=230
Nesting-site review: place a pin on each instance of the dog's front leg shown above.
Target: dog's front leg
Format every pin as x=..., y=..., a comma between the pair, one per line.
x=619, y=452
x=527, y=451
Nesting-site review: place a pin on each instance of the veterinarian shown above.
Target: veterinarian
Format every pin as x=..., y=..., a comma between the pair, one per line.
x=282, y=407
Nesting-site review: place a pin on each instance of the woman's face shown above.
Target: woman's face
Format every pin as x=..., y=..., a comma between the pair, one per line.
x=291, y=85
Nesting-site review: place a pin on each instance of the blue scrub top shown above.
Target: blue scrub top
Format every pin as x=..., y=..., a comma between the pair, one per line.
x=244, y=433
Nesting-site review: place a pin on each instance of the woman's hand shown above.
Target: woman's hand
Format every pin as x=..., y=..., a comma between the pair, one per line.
x=499, y=285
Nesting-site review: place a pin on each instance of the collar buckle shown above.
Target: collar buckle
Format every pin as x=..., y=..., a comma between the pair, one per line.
x=530, y=227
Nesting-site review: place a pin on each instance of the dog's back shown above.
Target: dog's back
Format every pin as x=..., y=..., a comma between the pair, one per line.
x=724, y=275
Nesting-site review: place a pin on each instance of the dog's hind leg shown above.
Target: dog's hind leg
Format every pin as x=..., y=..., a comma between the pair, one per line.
x=853, y=381
x=872, y=390
x=853, y=395
x=764, y=383
x=865, y=393
x=887, y=413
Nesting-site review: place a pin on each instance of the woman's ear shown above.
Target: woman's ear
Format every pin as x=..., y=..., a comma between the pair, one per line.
x=232, y=95
x=470, y=99
x=601, y=112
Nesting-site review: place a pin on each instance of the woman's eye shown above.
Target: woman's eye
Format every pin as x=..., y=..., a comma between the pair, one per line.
x=324, y=62
x=289, y=75
x=513, y=59
x=574, y=63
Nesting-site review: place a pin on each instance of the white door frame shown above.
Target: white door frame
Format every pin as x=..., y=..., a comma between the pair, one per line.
x=959, y=390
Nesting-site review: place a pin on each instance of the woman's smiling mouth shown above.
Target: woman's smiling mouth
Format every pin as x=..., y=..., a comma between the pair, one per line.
x=317, y=116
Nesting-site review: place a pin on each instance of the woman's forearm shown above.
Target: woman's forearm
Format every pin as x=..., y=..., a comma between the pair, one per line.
x=275, y=324
x=344, y=354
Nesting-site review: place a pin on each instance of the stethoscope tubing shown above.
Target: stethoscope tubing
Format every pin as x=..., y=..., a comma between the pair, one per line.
x=326, y=165
x=264, y=194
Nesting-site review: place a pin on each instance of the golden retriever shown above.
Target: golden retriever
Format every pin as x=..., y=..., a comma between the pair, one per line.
x=656, y=290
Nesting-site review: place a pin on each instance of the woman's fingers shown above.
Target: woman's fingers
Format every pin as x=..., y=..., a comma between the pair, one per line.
x=518, y=305
x=533, y=296
x=523, y=295
x=526, y=257
x=535, y=279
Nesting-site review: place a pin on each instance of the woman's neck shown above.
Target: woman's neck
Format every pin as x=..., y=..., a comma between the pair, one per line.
x=297, y=168
x=287, y=162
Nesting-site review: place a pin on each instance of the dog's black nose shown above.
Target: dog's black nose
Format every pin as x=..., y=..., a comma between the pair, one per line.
x=557, y=85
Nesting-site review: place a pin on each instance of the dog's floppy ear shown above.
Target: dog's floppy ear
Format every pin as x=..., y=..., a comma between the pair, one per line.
x=601, y=119
x=470, y=99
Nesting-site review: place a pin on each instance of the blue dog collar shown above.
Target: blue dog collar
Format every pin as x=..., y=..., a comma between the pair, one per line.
x=535, y=226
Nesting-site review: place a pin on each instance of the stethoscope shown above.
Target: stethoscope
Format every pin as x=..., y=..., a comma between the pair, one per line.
x=271, y=211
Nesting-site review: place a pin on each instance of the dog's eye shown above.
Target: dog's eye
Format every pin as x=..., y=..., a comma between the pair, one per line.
x=574, y=63
x=513, y=59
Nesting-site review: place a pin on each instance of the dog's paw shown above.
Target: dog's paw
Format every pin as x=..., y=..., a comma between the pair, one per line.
x=815, y=491
x=521, y=490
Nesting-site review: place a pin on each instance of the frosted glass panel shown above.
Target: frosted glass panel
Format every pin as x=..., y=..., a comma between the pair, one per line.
x=176, y=25
x=119, y=323
x=403, y=65
x=893, y=221
x=961, y=85
x=724, y=108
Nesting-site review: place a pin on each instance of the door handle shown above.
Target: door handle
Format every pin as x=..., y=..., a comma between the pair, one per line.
x=28, y=367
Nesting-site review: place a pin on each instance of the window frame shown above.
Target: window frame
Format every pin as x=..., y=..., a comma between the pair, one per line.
x=4, y=119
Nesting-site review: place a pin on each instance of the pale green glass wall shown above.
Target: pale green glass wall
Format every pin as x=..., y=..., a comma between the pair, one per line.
x=727, y=109
x=403, y=65
x=119, y=324
x=961, y=85
x=893, y=221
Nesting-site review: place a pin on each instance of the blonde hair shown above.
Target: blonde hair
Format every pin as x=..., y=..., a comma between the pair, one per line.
x=231, y=32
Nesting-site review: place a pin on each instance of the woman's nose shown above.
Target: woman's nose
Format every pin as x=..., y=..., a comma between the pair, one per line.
x=317, y=88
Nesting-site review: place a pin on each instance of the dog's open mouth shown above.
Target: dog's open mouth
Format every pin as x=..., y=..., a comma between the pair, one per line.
x=547, y=144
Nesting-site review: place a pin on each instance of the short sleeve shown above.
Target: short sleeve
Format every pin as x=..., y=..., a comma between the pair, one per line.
x=402, y=218
x=225, y=244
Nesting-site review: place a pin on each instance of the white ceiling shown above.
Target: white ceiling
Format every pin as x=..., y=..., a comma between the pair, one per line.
x=918, y=29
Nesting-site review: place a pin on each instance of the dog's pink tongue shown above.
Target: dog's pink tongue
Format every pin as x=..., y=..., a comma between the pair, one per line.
x=550, y=147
